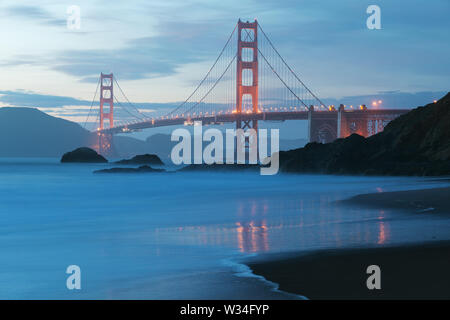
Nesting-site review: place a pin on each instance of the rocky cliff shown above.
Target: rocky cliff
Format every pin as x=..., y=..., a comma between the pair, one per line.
x=416, y=143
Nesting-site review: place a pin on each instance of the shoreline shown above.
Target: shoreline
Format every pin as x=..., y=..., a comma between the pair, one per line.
x=409, y=271
x=433, y=200
x=412, y=271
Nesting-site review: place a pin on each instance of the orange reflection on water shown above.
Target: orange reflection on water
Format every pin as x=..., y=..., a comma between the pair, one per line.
x=240, y=237
x=265, y=239
x=383, y=232
x=251, y=237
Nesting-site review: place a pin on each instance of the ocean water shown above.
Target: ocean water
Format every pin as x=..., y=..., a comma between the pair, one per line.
x=180, y=235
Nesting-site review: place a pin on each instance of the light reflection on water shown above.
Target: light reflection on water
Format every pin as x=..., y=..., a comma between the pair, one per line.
x=306, y=224
x=383, y=235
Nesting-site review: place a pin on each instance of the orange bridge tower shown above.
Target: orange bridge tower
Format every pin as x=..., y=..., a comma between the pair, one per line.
x=248, y=41
x=106, y=98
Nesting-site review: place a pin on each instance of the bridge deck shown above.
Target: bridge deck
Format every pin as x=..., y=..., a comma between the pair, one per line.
x=263, y=116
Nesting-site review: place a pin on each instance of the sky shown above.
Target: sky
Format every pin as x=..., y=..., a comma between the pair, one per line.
x=160, y=50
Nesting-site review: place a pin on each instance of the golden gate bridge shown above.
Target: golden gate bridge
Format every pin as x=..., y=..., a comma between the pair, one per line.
x=248, y=82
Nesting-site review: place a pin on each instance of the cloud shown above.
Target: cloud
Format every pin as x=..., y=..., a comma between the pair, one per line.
x=20, y=60
x=62, y=105
x=31, y=99
x=139, y=58
x=34, y=13
x=325, y=41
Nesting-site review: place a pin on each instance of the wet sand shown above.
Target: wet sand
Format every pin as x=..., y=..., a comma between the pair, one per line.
x=408, y=272
x=420, y=271
x=436, y=200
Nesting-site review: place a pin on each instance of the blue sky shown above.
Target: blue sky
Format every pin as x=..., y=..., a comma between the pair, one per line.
x=160, y=49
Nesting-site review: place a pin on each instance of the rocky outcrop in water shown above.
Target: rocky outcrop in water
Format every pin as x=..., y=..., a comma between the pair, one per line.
x=416, y=143
x=220, y=167
x=86, y=155
x=143, y=159
x=141, y=169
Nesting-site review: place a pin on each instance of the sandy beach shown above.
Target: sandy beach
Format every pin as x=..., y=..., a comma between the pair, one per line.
x=410, y=272
x=419, y=271
x=435, y=200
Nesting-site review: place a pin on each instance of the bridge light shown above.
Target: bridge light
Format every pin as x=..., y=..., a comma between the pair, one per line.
x=380, y=101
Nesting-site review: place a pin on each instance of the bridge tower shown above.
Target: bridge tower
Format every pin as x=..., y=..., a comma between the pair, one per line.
x=106, y=98
x=247, y=40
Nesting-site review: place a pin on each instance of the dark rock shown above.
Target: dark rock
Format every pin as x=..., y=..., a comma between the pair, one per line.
x=143, y=159
x=220, y=167
x=83, y=155
x=142, y=169
x=416, y=143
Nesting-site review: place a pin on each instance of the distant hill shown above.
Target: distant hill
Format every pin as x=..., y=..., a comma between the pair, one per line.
x=416, y=143
x=28, y=132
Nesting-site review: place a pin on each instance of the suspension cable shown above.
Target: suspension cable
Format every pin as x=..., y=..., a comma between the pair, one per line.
x=289, y=68
x=125, y=109
x=276, y=73
x=206, y=76
x=217, y=81
x=92, y=104
x=137, y=110
x=279, y=77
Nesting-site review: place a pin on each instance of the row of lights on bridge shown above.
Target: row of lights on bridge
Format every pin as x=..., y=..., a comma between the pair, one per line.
x=267, y=109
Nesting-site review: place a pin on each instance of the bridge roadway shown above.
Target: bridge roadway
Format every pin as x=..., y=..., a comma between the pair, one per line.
x=324, y=115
